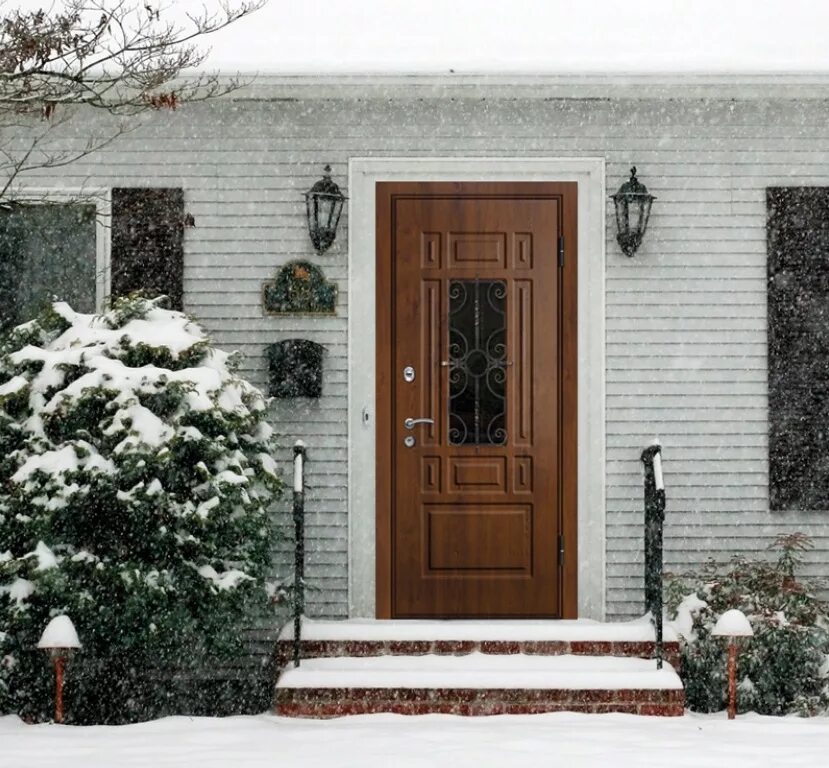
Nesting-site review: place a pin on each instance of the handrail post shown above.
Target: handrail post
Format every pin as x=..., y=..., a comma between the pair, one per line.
x=654, y=524
x=300, y=457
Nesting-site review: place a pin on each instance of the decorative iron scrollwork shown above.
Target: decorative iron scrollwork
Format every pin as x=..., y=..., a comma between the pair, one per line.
x=477, y=362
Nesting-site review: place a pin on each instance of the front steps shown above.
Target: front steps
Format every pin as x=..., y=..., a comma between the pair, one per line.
x=476, y=668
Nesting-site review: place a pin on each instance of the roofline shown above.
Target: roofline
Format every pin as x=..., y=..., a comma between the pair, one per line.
x=630, y=85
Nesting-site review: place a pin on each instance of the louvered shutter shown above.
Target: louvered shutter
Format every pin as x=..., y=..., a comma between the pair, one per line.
x=798, y=347
x=147, y=243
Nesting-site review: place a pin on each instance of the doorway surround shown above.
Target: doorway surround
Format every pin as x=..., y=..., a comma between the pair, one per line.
x=364, y=173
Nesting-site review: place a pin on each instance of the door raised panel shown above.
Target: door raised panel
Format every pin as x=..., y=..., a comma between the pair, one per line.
x=428, y=371
x=522, y=250
x=487, y=538
x=472, y=474
x=522, y=343
x=430, y=250
x=472, y=249
x=523, y=474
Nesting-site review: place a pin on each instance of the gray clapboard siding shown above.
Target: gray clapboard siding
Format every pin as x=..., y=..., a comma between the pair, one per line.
x=686, y=318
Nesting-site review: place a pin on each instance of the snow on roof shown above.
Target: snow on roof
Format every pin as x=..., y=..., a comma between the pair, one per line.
x=526, y=35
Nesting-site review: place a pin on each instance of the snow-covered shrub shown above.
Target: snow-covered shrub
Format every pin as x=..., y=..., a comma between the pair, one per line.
x=135, y=480
x=783, y=669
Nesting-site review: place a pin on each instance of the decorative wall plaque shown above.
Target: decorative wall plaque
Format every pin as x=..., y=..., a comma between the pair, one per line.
x=294, y=368
x=300, y=287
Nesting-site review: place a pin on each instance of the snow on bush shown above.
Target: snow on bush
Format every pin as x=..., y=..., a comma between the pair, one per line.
x=784, y=668
x=135, y=480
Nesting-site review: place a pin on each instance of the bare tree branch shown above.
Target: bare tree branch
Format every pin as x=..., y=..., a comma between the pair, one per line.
x=118, y=56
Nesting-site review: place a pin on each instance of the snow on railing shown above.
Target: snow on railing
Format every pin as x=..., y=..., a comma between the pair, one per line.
x=654, y=525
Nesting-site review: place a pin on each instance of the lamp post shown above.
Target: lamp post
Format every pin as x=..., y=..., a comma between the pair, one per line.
x=324, y=204
x=633, y=209
x=732, y=624
x=60, y=639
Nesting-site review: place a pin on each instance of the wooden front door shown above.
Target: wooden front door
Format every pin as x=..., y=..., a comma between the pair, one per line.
x=476, y=451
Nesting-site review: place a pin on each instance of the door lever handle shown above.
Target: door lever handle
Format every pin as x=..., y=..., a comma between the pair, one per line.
x=411, y=423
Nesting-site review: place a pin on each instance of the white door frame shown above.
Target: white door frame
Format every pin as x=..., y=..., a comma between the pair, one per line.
x=363, y=175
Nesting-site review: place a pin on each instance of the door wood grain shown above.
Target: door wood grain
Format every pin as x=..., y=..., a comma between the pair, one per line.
x=476, y=504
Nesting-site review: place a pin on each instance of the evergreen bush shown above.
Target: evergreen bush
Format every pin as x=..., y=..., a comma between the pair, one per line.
x=135, y=480
x=783, y=669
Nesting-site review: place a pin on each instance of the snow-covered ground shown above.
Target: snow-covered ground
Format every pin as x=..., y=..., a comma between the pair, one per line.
x=379, y=741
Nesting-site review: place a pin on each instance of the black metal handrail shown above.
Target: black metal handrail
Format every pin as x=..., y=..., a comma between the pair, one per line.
x=654, y=525
x=300, y=457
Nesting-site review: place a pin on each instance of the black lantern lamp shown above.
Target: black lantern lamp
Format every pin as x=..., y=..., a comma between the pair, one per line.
x=633, y=209
x=324, y=203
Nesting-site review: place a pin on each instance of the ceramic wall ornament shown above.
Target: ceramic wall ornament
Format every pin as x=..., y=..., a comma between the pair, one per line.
x=299, y=288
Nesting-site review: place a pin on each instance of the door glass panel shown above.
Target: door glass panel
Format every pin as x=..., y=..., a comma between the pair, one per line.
x=477, y=362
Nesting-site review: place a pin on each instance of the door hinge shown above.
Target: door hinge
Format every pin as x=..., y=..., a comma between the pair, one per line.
x=561, y=550
x=561, y=250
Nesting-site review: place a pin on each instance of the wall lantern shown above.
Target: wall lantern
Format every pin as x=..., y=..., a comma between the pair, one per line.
x=60, y=639
x=324, y=204
x=633, y=208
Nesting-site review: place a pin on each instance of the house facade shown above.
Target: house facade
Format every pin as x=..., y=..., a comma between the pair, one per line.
x=480, y=286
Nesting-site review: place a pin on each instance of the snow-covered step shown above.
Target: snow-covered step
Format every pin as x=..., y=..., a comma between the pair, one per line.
x=366, y=637
x=478, y=684
x=640, y=630
x=478, y=670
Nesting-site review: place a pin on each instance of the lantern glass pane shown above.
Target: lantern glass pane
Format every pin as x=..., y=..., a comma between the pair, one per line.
x=646, y=214
x=621, y=214
x=324, y=215
x=314, y=218
x=638, y=215
x=336, y=211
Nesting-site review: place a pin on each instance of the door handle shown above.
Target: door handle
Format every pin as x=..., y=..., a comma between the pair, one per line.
x=411, y=423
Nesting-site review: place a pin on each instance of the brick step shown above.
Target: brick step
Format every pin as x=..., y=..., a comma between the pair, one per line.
x=325, y=703
x=365, y=638
x=477, y=684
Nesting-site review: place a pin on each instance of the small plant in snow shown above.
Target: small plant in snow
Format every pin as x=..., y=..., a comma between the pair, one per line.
x=783, y=669
x=135, y=478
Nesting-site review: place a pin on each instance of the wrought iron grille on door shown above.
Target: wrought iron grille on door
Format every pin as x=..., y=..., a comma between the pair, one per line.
x=477, y=362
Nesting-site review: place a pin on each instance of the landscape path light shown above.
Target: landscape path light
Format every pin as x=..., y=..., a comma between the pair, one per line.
x=60, y=639
x=732, y=624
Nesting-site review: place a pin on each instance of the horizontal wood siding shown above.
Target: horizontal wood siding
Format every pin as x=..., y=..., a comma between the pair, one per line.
x=686, y=317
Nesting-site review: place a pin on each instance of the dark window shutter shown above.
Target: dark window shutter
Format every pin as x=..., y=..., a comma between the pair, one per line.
x=147, y=243
x=798, y=347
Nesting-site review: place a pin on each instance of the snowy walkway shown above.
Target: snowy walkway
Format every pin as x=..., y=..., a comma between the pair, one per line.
x=393, y=741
